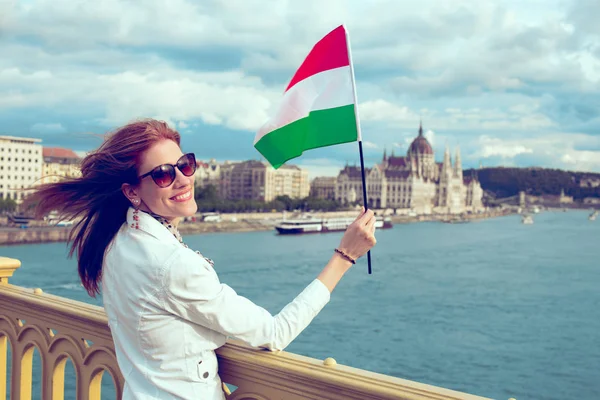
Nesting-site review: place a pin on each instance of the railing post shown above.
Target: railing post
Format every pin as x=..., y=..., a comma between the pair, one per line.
x=20, y=362
x=7, y=267
x=3, y=358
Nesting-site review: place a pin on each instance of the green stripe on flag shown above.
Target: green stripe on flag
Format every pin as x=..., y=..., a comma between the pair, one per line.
x=321, y=128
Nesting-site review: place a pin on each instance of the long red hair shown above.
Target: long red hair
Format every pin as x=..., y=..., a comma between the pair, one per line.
x=95, y=199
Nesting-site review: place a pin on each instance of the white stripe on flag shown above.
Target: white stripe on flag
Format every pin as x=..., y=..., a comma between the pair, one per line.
x=327, y=89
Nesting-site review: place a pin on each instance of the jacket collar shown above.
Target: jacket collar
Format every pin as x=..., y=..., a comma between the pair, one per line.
x=148, y=224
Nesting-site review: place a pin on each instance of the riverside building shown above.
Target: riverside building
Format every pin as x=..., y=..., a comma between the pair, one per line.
x=20, y=165
x=415, y=181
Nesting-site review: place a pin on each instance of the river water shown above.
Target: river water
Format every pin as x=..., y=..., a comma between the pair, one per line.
x=493, y=307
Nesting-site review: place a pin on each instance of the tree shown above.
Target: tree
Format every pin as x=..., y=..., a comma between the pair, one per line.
x=288, y=201
x=7, y=205
x=507, y=182
x=208, y=200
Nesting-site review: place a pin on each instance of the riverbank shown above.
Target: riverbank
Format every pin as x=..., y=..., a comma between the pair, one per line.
x=48, y=234
x=229, y=223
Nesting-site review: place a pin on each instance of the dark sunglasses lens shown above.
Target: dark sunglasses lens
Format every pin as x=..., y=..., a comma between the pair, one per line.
x=164, y=175
x=187, y=164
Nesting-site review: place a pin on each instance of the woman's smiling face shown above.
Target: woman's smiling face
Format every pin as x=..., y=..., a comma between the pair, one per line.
x=177, y=199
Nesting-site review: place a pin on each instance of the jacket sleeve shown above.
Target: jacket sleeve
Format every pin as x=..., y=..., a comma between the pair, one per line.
x=193, y=292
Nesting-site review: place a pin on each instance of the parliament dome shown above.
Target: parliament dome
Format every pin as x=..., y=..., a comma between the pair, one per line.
x=420, y=145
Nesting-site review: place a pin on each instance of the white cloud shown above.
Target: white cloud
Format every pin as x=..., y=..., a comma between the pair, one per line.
x=430, y=136
x=48, y=128
x=369, y=145
x=228, y=98
x=497, y=147
x=558, y=150
x=524, y=108
x=380, y=110
x=581, y=160
x=483, y=68
x=590, y=66
x=520, y=117
x=504, y=151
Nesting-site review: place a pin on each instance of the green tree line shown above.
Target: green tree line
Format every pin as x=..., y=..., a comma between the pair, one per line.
x=208, y=200
x=506, y=182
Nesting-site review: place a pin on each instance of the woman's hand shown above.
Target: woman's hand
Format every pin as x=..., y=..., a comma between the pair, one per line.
x=360, y=235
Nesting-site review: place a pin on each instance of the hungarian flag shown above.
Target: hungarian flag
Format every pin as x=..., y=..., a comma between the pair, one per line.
x=318, y=106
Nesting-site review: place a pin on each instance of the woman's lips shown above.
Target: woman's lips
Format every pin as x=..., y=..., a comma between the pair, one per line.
x=185, y=196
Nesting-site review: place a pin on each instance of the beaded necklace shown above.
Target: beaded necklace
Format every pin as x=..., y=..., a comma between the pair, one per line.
x=174, y=231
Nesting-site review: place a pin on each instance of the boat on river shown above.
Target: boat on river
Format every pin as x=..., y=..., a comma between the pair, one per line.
x=20, y=219
x=527, y=219
x=315, y=225
x=593, y=215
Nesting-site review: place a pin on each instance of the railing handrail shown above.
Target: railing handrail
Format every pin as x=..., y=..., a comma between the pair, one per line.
x=43, y=305
x=356, y=383
x=293, y=375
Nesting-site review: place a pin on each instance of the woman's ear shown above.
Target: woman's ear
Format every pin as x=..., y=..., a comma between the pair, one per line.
x=131, y=193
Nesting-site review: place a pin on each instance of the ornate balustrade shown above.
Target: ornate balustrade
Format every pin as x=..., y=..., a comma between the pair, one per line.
x=64, y=329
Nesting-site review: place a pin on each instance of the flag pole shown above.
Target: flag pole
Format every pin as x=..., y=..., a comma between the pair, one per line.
x=360, y=148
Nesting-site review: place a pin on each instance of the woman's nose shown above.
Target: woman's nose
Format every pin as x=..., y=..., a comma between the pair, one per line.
x=181, y=180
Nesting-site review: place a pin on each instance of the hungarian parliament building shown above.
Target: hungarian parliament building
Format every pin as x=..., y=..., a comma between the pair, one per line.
x=415, y=182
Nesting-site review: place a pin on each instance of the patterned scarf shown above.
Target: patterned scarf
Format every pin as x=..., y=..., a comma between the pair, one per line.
x=173, y=229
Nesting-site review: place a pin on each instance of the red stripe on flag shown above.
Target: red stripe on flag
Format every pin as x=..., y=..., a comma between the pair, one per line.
x=329, y=53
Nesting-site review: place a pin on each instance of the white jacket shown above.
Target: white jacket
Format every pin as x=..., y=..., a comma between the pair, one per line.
x=168, y=312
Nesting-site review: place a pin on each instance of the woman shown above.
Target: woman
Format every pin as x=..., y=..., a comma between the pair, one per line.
x=166, y=308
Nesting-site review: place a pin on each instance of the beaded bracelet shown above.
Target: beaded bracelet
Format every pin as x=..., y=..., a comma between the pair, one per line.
x=346, y=256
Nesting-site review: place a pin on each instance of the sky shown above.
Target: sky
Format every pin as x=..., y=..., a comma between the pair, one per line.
x=512, y=83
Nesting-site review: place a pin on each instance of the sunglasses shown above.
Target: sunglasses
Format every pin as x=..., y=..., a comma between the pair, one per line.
x=164, y=174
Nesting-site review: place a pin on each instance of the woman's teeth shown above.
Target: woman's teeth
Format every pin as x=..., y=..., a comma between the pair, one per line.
x=184, y=196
